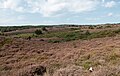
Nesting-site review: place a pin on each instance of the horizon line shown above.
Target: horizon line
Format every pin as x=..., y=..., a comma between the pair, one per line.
x=56, y=24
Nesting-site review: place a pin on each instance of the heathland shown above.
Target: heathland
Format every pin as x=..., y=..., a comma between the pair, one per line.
x=60, y=50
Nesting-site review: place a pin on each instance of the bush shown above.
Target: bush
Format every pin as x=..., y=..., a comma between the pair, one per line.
x=117, y=31
x=38, y=32
x=99, y=27
x=44, y=29
x=91, y=27
x=87, y=33
x=1, y=33
x=108, y=26
x=54, y=41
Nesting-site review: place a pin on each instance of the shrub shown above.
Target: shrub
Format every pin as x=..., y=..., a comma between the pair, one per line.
x=99, y=27
x=38, y=32
x=54, y=41
x=108, y=26
x=87, y=33
x=1, y=33
x=91, y=27
x=87, y=64
x=44, y=29
x=117, y=31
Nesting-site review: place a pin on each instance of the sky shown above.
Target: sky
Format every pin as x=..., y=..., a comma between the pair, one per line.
x=24, y=12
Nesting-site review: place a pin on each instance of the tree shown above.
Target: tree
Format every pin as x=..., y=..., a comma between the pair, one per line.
x=38, y=32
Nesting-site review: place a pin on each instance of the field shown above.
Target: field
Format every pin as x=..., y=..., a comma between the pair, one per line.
x=68, y=50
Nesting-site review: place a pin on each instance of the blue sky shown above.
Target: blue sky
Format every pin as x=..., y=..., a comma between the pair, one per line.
x=21, y=12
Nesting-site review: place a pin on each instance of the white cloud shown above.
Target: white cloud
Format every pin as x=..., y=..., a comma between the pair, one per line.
x=82, y=5
x=110, y=14
x=9, y=4
x=50, y=7
x=12, y=4
x=110, y=4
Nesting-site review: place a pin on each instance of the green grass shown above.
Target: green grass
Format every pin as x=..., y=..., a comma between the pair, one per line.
x=87, y=64
x=26, y=35
x=0, y=33
x=63, y=36
x=75, y=35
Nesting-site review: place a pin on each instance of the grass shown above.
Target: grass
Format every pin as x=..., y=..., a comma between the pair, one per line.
x=63, y=36
x=53, y=67
x=5, y=41
x=5, y=68
x=75, y=35
x=87, y=61
x=113, y=58
x=1, y=33
x=54, y=41
x=26, y=35
x=87, y=64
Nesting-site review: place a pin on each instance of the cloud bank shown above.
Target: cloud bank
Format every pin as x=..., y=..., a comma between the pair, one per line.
x=110, y=4
x=50, y=7
x=58, y=11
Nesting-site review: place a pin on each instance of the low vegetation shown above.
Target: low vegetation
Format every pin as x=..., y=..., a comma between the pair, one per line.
x=75, y=35
x=5, y=41
x=38, y=32
x=61, y=51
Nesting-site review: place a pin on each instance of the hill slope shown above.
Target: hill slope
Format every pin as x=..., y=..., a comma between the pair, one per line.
x=66, y=58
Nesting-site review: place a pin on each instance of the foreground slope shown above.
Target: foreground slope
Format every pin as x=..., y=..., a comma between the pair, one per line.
x=72, y=58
